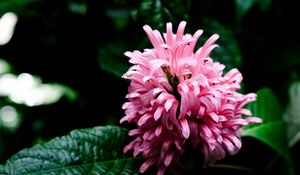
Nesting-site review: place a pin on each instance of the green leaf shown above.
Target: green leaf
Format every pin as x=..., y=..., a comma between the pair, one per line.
x=156, y=12
x=264, y=4
x=119, y=16
x=111, y=59
x=13, y=5
x=229, y=52
x=292, y=114
x=272, y=131
x=243, y=6
x=177, y=9
x=273, y=134
x=151, y=12
x=267, y=106
x=86, y=151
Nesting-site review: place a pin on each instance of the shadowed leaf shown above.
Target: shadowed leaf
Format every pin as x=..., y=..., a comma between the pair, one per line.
x=86, y=151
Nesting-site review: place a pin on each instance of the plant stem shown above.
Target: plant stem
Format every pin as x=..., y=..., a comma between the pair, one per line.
x=234, y=167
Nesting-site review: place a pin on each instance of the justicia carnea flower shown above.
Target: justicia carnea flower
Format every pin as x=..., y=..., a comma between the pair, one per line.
x=177, y=95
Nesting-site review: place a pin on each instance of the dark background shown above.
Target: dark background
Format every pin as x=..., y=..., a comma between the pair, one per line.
x=81, y=43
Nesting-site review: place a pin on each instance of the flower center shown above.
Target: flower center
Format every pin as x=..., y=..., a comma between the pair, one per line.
x=173, y=81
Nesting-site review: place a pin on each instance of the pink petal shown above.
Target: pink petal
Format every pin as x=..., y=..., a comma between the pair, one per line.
x=146, y=134
x=134, y=132
x=234, y=139
x=178, y=145
x=180, y=30
x=166, y=145
x=158, y=113
x=227, y=107
x=144, y=119
x=185, y=128
x=196, y=88
x=123, y=119
x=131, y=144
x=235, y=122
x=127, y=148
x=147, y=165
x=254, y=120
x=147, y=78
x=132, y=95
x=220, y=139
x=207, y=103
x=161, y=170
x=158, y=37
x=243, y=112
x=216, y=131
x=147, y=151
x=222, y=118
x=183, y=88
x=126, y=105
x=153, y=36
x=233, y=75
x=218, y=152
x=158, y=130
x=162, y=97
x=214, y=116
x=190, y=61
x=156, y=64
x=197, y=34
x=169, y=104
x=210, y=41
x=170, y=35
x=168, y=158
x=201, y=111
x=136, y=150
x=208, y=50
x=248, y=98
x=229, y=146
x=205, y=130
x=157, y=91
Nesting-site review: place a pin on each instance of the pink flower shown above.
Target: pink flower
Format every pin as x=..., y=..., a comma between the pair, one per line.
x=176, y=95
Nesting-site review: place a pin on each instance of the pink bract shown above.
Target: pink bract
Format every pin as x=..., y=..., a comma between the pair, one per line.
x=177, y=95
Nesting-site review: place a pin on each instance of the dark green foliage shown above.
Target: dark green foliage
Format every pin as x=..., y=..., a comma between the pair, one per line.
x=112, y=60
x=158, y=12
x=273, y=130
x=244, y=6
x=86, y=151
x=14, y=5
x=228, y=52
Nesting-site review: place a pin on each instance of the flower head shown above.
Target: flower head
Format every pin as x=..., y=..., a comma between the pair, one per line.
x=177, y=95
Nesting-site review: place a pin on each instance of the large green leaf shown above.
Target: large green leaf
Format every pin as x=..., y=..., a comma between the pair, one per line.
x=292, y=114
x=273, y=134
x=86, y=151
x=272, y=131
x=267, y=106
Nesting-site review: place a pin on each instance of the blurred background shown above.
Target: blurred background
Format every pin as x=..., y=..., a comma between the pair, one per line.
x=61, y=61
